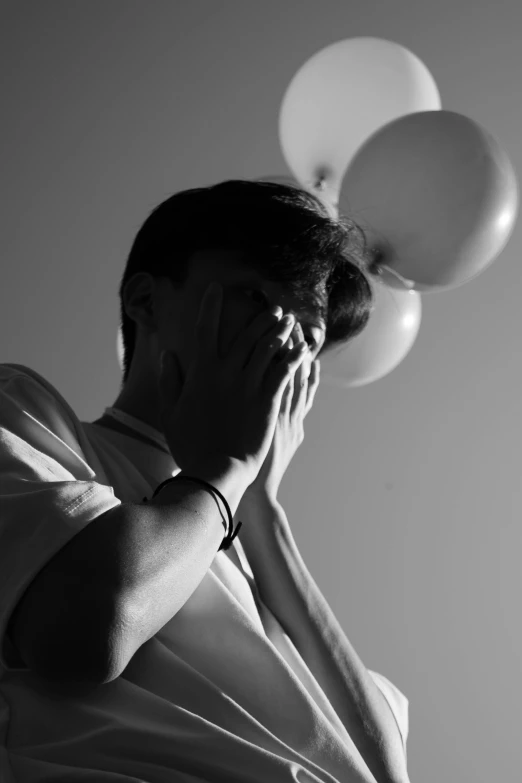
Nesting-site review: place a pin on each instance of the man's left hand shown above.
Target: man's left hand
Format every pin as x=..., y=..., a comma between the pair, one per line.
x=296, y=403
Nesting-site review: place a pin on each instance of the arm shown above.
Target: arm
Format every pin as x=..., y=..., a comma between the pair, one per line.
x=121, y=578
x=287, y=588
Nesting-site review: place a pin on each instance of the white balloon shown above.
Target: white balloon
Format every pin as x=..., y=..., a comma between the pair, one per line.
x=383, y=344
x=436, y=194
x=340, y=97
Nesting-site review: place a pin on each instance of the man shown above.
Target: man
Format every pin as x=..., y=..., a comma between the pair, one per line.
x=134, y=646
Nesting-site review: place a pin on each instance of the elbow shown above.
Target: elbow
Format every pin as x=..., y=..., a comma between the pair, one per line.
x=72, y=667
x=82, y=655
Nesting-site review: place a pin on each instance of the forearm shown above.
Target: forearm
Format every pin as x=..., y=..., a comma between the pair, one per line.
x=287, y=588
x=163, y=549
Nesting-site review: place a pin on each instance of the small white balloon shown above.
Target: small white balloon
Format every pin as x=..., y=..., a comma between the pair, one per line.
x=383, y=344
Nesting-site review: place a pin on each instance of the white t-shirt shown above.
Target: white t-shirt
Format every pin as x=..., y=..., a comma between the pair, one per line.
x=219, y=694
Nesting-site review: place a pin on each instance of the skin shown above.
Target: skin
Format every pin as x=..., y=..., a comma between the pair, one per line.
x=166, y=317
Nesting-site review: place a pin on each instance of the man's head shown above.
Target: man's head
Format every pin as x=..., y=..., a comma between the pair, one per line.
x=267, y=244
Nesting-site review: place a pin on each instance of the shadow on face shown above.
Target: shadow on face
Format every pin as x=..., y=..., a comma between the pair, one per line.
x=246, y=294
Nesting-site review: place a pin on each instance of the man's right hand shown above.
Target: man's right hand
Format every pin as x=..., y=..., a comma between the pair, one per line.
x=227, y=407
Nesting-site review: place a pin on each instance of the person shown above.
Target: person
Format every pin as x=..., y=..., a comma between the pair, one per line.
x=133, y=645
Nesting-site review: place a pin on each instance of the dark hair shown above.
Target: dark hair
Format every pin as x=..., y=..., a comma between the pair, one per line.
x=286, y=234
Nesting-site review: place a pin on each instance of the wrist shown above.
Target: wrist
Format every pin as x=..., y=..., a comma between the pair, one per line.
x=229, y=476
x=259, y=495
x=264, y=522
x=217, y=466
x=261, y=506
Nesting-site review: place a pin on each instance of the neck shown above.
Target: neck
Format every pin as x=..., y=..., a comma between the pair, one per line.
x=118, y=426
x=142, y=405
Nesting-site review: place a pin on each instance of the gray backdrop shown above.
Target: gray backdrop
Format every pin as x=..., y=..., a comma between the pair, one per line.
x=405, y=496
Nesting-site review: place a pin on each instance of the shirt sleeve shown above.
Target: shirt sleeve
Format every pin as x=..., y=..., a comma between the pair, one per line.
x=48, y=491
x=398, y=702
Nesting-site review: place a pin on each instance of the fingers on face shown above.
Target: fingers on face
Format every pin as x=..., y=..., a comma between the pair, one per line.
x=302, y=386
x=313, y=384
x=296, y=392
